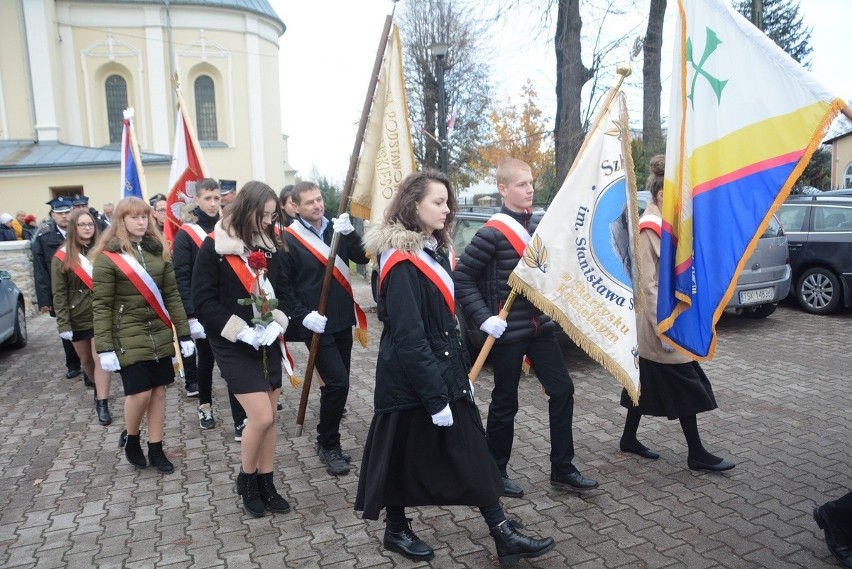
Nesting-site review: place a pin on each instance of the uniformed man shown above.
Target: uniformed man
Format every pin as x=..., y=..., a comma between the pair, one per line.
x=44, y=246
x=229, y=192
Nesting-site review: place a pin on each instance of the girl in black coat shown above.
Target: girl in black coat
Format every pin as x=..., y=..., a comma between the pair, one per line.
x=248, y=354
x=426, y=444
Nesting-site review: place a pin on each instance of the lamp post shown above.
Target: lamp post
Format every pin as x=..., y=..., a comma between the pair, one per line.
x=439, y=50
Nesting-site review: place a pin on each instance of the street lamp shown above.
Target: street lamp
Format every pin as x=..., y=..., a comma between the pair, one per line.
x=439, y=50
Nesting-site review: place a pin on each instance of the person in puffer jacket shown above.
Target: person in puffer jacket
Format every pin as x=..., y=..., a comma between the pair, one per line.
x=136, y=304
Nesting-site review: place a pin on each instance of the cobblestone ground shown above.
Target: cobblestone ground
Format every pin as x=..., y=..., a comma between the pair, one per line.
x=69, y=499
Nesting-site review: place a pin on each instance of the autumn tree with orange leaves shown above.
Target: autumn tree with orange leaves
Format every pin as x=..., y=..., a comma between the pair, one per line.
x=522, y=132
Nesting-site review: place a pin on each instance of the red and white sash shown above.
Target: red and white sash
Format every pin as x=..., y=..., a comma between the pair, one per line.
x=517, y=235
x=239, y=264
x=426, y=265
x=195, y=232
x=143, y=282
x=83, y=270
x=320, y=250
x=652, y=222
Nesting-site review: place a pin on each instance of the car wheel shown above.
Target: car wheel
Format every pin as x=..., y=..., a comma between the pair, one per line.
x=19, y=339
x=759, y=311
x=819, y=291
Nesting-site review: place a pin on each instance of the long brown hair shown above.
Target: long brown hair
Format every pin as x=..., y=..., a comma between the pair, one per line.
x=118, y=230
x=244, y=217
x=72, y=241
x=412, y=190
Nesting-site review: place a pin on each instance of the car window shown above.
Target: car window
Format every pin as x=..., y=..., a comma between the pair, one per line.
x=832, y=219
x=773, y=229
x=793, y=217
x=463, y=232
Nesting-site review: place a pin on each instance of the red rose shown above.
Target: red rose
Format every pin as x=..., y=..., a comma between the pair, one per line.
x=257, y=261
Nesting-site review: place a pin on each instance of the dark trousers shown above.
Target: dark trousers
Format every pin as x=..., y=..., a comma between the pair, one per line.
x=198, y=368
x=547, y=362
x=72, y=360
x=333, y=358
x=840, y=513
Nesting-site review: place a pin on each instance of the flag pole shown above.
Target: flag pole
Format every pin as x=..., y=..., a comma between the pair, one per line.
x=344, y=203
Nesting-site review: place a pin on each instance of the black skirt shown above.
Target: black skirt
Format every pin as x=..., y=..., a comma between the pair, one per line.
x=408, y=461
x=242, y=366
x=672, y=390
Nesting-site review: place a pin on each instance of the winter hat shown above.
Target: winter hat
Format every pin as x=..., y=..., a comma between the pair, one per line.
x=5, y=218
x=30, y=219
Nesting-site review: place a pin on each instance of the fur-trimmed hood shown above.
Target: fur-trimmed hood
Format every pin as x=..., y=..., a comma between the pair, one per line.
x=381, y=236
x=229, y=244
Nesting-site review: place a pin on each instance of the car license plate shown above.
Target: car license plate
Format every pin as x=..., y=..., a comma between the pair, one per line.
x=757, y=296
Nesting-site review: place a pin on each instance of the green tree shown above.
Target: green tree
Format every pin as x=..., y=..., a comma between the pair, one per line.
x=817, y=173
x=782, y=22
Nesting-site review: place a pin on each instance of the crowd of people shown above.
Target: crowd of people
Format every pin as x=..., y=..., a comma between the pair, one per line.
x=244, y=276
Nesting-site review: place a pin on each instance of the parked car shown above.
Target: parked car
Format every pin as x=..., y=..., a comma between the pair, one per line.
x=765, y=278
x=13, y=316
x=819, y=230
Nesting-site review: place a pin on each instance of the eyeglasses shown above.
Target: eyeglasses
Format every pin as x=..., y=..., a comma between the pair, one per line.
x=86, y=225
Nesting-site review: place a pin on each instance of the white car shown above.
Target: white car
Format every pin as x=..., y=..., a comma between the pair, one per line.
x=13, y=316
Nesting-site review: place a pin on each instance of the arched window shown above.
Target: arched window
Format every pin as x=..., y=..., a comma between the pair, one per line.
x=205, y=108
x=116, y=102
x=847, y=177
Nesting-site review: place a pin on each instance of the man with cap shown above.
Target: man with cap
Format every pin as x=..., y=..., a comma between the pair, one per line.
x=229, y=191
x=44, y=246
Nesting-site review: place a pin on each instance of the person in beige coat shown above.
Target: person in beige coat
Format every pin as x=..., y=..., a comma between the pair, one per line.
x=672, y=385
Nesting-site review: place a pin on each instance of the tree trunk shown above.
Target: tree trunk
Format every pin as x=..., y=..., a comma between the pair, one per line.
x=571, y=75
x=652, y=137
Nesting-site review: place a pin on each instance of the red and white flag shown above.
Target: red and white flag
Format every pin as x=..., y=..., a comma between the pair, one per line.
x=188, y=167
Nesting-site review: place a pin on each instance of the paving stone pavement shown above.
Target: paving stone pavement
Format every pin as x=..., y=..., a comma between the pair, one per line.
x=69, y=499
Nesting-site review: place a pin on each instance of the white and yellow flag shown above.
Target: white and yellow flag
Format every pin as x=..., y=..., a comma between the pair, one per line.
x=387, y=156
x=579, y=266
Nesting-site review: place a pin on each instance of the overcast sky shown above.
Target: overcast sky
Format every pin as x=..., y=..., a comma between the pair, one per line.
x=328, y=50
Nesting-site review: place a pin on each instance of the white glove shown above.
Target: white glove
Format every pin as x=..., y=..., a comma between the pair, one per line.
x=187, y=348
x=66, y=335
x=270, y=334
x=196, y=330
x=109, y=361
x=472, y=389
x=444, y=417
x=666, y=347
x=248, y=336
x=315, y=322
x=342, y=224
x=494, y=326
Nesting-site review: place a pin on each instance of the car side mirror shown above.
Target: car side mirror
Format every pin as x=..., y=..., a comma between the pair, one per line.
x=5, y=275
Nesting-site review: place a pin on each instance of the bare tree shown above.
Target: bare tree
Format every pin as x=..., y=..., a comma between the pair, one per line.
x=465, y=79
x=652, y=136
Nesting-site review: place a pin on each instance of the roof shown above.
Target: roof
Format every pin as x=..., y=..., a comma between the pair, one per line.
x=261, y=7
x=29, y=155
x=838, y=137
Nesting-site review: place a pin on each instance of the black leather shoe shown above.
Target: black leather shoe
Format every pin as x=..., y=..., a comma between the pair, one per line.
x=511, y=489
x=573, y=480
x=102, y=408
x=698, y=465
x=87, y=381
x=638, y=449
x=512, y=545
x=72, y=373
x=843, y=553
x=400, y=538
x=333, y=459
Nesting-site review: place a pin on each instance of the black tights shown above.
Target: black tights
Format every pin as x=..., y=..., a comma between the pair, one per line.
x=689, y=424
x=493, y=514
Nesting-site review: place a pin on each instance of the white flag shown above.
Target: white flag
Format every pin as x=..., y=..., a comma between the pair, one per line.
x=578, y=266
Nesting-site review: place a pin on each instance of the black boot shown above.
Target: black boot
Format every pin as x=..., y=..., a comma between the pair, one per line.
x=132, y=449
x=273, y=501
x=512, y=545
x=248, y=489
x=102, y=407
x=157, y=458
x=87, y=381
x=400, y=538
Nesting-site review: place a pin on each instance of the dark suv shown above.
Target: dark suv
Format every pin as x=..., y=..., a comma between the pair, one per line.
x=819, y=233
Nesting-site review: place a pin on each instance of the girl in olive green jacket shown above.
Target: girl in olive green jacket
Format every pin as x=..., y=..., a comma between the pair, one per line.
x=135, y=306
x=71, y=280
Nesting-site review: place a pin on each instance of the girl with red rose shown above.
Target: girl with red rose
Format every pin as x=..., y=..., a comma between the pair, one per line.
x=235, y=284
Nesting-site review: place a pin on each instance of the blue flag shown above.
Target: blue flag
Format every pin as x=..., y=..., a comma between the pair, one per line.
x=131, y=184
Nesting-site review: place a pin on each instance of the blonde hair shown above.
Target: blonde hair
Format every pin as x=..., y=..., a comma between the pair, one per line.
x=507, y=167
x=118, y=230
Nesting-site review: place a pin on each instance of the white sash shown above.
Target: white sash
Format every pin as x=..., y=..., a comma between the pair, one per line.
x=147, y=280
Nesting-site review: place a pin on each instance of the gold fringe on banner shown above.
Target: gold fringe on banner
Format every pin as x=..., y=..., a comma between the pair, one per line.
x=362, y=336
x=296, y=381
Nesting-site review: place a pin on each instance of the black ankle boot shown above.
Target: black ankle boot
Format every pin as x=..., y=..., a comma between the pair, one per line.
x=157, y=458
x=512, y=545
x=400, y=538
x=273, y=501
x=132, y=449
x=247, y=488
x=102, y=407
